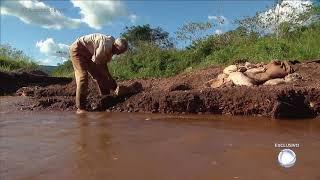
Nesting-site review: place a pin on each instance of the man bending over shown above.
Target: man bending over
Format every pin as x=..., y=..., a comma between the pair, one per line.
x=90, y=54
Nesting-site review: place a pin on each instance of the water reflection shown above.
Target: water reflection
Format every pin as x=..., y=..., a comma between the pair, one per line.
x=93, y=147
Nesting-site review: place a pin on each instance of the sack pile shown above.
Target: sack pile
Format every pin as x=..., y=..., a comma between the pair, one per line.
x=248, y=74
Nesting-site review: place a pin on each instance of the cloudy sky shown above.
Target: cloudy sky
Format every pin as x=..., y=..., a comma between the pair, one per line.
x=45, y=29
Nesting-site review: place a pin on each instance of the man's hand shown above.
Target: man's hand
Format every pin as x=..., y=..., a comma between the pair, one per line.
x=121, y=90
x=113, y=84
x=133, y=88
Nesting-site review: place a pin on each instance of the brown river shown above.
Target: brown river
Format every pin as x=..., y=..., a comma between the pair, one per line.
x=123, y=146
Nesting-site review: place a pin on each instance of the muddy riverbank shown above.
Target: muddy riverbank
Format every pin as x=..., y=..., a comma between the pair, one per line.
x=186, y=93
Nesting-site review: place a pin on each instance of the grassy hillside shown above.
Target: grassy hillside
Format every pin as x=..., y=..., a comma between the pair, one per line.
x=301, y=44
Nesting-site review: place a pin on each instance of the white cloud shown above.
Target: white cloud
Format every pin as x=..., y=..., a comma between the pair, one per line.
x=133, y=18
x=220, y=19
x=35, y=12
x=218, y=31
x=53, y=50
x=94, y=13
x=287, y=11
x=98, y=13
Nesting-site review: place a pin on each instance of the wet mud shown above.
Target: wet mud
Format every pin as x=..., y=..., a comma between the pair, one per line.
x=186, y=93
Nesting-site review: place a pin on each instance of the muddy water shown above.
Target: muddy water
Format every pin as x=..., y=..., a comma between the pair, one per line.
x=62, y=145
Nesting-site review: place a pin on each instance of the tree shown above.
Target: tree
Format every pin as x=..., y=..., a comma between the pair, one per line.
x=157, y=36
x=286, y=15
x=193, y=31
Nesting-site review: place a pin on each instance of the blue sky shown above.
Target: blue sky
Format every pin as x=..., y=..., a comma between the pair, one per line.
x=169, y=15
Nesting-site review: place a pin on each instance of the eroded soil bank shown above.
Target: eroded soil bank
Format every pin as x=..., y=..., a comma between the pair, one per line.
x=186, y=93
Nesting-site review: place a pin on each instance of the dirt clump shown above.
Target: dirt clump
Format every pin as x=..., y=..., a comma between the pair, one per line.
x=180, y=87
x=186, y=93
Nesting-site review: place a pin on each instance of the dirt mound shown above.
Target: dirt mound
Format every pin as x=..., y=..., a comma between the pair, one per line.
x=33, y=71
x=186, y=93
x=10, y=82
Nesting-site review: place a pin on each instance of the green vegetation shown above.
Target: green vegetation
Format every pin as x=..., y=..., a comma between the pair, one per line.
x=47, y=68
x=248, y=42
x=63, y=70
x=150, y=60
x=142, y=34
x=13, y=59
x=300, y=44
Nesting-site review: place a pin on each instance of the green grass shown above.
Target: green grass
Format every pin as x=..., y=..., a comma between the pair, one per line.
x=63, y=70
x=11, y=65
x=12, y=59
x=150, y=61
x=303, y=44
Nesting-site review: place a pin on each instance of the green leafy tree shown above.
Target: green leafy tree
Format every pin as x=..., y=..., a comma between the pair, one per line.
x=144, y=33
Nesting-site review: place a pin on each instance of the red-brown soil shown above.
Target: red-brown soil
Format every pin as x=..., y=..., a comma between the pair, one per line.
x=11, y=82
x=186, y=93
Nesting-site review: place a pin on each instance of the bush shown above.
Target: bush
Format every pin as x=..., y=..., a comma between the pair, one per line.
x=147, y=61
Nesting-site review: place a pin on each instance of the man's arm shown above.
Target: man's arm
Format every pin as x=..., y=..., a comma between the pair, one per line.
x=113, y=83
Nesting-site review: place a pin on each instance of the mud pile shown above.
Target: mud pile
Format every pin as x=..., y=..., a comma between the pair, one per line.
x=186, y=93
x=11, y=82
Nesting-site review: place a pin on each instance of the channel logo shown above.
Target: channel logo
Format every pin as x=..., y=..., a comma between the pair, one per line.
x=287, y=158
